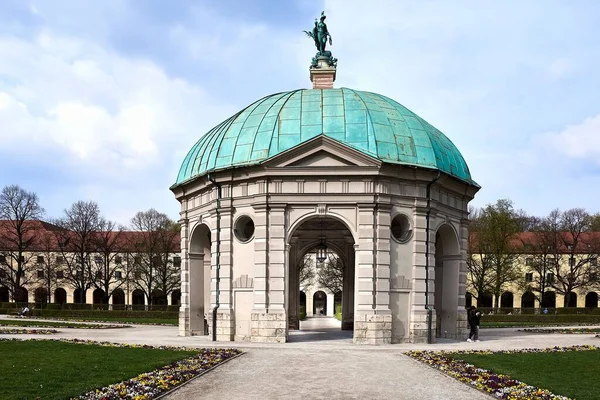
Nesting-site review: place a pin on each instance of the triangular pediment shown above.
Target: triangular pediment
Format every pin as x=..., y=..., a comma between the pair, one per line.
x=320, y=152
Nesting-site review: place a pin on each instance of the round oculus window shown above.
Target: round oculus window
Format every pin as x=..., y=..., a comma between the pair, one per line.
x=244, y=228
x=401, y=230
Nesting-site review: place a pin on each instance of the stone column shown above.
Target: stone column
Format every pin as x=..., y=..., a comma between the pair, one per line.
x=269, y=319
x=418, y=313
x=330, y=305
x=184, y=309
x=462, y=328
x=293, y=287
x=348, y=289
x=225, y=315
x=372, y=325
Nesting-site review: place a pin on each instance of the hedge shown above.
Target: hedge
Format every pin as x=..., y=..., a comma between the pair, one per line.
x=543, y=318
x=302, y=312
x=97, y=313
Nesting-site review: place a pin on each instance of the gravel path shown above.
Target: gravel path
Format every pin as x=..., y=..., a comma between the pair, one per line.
x=323, y=363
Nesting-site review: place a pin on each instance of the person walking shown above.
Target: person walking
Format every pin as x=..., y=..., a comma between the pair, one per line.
x=474, y=319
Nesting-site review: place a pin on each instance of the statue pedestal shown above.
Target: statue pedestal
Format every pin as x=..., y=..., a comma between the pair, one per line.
x=323, y=75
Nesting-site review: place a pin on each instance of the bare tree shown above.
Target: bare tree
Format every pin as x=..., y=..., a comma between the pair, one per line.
x=104, y=272
x=306, y=271
x=330, y=274
x=76, y=242
x=500, y=225
x=168, y=267
x=19, y=212
x=153, y=244
x=479, y=266
x=577, y=248
x=47, y=267
x=540, y=248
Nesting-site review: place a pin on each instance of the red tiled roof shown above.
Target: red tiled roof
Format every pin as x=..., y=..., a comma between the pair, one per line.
x=46, y=237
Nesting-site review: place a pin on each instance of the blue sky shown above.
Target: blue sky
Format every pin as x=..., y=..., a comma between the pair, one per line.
x=102, y=99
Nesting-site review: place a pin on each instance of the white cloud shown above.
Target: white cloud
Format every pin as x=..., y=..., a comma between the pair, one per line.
x=110, y=119
x=578, y=141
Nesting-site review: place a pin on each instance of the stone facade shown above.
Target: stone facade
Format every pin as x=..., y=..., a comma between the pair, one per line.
x=359, y=200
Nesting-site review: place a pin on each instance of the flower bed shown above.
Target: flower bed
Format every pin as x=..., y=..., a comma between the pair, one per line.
x=7, y=323
x=149, y=385
x=26, y=331
x=501, y=386
x=563, y=331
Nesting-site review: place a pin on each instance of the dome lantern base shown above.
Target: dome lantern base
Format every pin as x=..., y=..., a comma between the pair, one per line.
x=323, y=75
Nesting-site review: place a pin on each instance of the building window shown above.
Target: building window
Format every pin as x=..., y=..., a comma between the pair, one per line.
x=529, y=277
x=2, y=258
x=99, y=275
x=118, y=275
x=529, y=261
x=40, y=274
x=60, y=259
x=551, y=261
x=137, y=260
x=40, y=259
x=138, y=274
x=118, y=259
x=60, y=274
x=98, y=259
x=2, y=273
x=593, y=261
x=572, y=261
x=549, y=277
x=177, y=261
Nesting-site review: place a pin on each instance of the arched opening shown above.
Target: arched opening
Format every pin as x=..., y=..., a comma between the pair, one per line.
x=176, y=297
x=60, y=296
x=118, y=298
x=447, y=287
x=468, y=300
x=549, y=299
x=77, y=297
x=138, y=298
x=591, y=300
x=320, y=303
x=528, y=300
x=302, y=306
x=199, y=280
x=570, y=299
x=21, y=295
x=98, y=297
x=158, y=298
x=507, y=300
x=485, y=300
x=321, y=278
x=4, y=294
x=40, y=296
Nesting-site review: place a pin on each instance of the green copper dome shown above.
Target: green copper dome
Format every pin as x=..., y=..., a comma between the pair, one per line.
x=368, y=122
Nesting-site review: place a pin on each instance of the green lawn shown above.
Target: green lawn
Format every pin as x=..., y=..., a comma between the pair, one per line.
x=45, y=324
x=124, y=320
x=573, y=374
x=56, y=370
x=527, y=324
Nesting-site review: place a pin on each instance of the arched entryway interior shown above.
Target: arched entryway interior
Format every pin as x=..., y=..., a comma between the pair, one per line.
x=330, y=244
x=199, y=279
x=446, y=276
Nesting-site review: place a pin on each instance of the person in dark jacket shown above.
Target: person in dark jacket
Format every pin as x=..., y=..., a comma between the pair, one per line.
x=474, y=319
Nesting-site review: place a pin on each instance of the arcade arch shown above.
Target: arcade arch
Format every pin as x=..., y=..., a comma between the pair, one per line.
x=199, y=269
x=447, y=272
x=307, y=237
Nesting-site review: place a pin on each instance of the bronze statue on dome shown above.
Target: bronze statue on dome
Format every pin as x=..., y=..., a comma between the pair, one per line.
x=320, y=34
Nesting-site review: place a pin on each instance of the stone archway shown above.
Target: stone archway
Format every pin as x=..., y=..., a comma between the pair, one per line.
x=507, y=300
x=446, y=276
x=138, y=298
x=528, y=300
x=320, y=303
x=118, y=298
x=304, y=238
x=591, y=300
x=60, y=296
x=199, y=270
x=4, y=294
